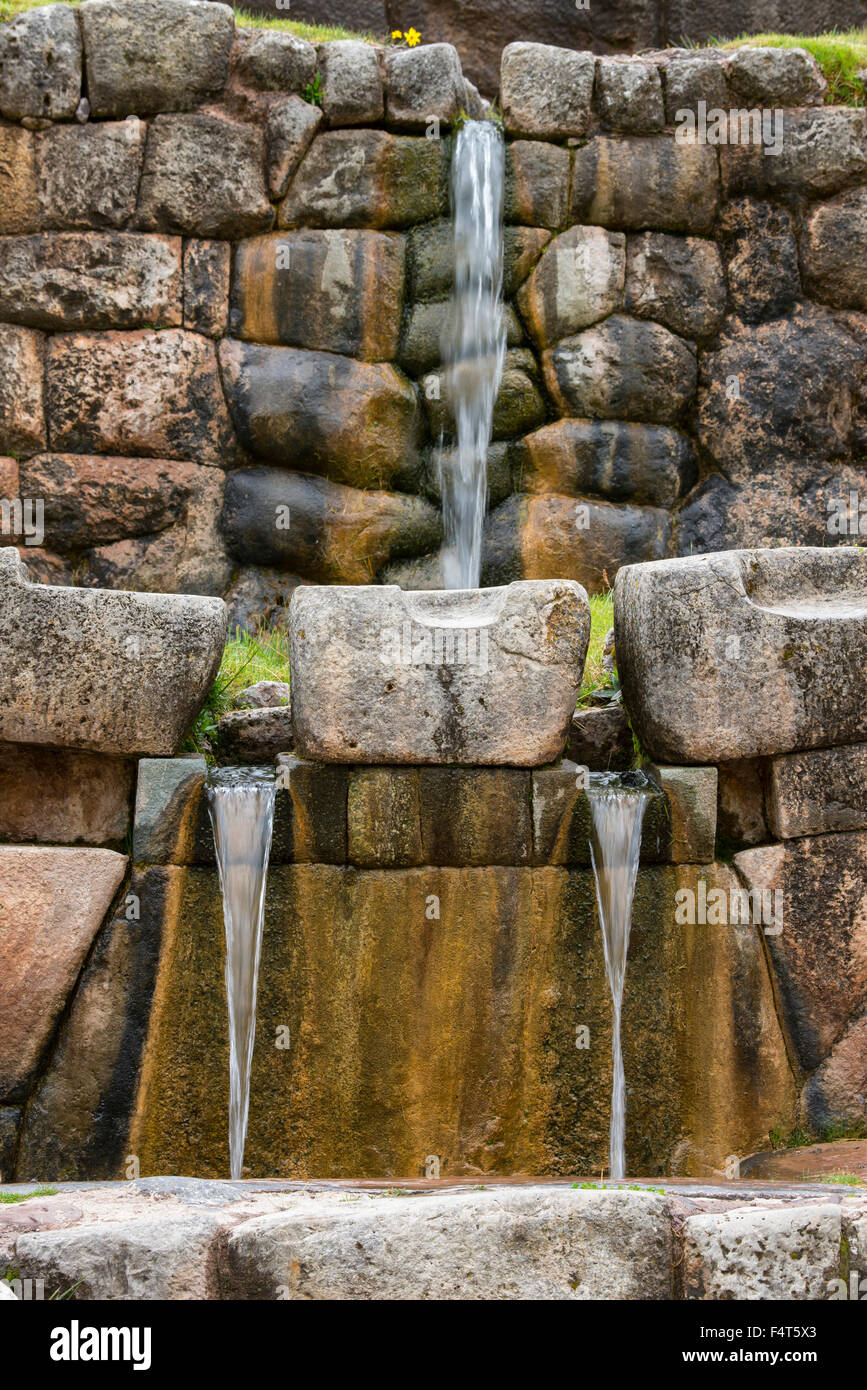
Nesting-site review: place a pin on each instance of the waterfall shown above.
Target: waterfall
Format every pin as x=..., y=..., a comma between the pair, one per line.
x=241, y=807
x=473, y=345
x=618, y=813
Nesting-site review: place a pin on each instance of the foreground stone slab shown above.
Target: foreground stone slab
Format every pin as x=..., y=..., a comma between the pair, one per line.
x=110, y=672
x=526, y=1243
x=53, y=901
x=812, y=793
x=387, y=676
x=746, y=652
x=793, y=1253
x=133, y=1260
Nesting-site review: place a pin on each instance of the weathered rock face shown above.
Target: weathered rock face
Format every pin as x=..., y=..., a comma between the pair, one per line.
x=761, y=256
x=114, y=673
x=752, y=671
x=578, y=280
x=367, y=179
x=608, y=458
x=537, y=184
x=545, y=91
x=424, y=84
x=320, y=413
x=207, y=268
x=88, y=176
x=157, y=394
x=19, y=206
x=332, y=291
x=437, y=672
x=40, y=65
x=832, y=247
x=625, y=369
x=430, y=1251
x=335, y=534
x=833, y=1097
x=185, y=154
x=268, y=60
x=813, y=793
x=778, y=1254
x=169, y=57
x=90, y=280
x=291, y=125
x=53, y=901
x=255, y=735
x=822, y=150
x=819, y=956
x=678, y=281
x=351, y=83
x=654, y=182
x=59, y=796
x=22, y=421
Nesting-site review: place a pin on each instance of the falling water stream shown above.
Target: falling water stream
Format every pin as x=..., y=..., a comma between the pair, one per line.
x=618, y=813
x=473, y=345
x=241, y=807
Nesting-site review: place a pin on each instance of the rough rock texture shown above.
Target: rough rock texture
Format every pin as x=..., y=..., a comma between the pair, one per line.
x=207, y=268
x=834, y=1096
x=291, y=125
x=367, y=179
x=426, y=699
x=692, y=797
x=820, y=955
x=270, y=60
x=813, y=793
x=784, y=1253
x=203, y=176
x=623, y=462
x=19, y=205
x=157, y=394
x=40, y=65
x=768, y=660
x=625, y=369
x=545, y=91
x=333, y=291
x=90, y=280
x=678, y=281
x=60, y=796
x=169, y=56
x=578, y=280
x=635, y=182
x=351, y=83
x=88, y=176
x=601, y=740
x=761, y=257
x=429, y=1248
x=22, y=422
x=832, y=248
x=168, y=793
x=255, y=735
x=630, y=96
x=135, y=1261
x=822, y=150
x=356, y=423
x=424, y=84
x=113, y=673
x=52, y=902
x=778, y=76
x=10, y=1120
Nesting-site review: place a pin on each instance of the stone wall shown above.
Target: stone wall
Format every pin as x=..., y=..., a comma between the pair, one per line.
x=220, y=307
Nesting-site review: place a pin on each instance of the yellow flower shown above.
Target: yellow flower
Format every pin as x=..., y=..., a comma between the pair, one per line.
x=396, y=34
x=412, y=37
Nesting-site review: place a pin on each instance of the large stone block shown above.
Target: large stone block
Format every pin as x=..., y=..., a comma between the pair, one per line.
x=761, y=255
x=678, y=282
x=546, y=92
x=651, y=182
x=207, y=272
x=563, y=818
x=52, y=902
x=785, y=1253
x=351, y=83
x=776, y=76
x=169, y=56
x=578, y=280
x=88, y=176
x=323, y=530
x=542, y=537
x=22, y=369
x=291, y=126
x=821, y=150
x=630, y=95
x=518, y=407
x=40, y=65
x=819, y=952
x=152, y=393
x=73, y=280
x=834, y=250
x=272, y=60
x=833, y=1097
x=650, y=464
x=113, y=673
x=19, y=199
x=138, y=1261
x=789, y=503
x=203, y=176
x=78, y=1117
x=381, y=676
x=59, y=796
x=357, y=423
x=167, y=809
x=422, y=85
x=368, y=179
x=768, y=656
x=431, y=1248
x=536, y=184
x=691, y=793
x=332, y=291
x=813, y=793
x=623, y=369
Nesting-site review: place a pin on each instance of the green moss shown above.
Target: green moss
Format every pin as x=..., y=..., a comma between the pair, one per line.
x=8, y=1198
x=840, y=55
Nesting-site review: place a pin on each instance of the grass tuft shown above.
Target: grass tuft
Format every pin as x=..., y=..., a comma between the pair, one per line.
x=246, y=660
x=601, y=619
x=9, y=1198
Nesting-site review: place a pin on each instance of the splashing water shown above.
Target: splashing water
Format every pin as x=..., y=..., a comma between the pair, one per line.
x=241, y=807
x=618, y=813
x=473, y=345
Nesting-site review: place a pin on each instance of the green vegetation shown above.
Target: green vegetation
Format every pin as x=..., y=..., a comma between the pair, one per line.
x=601, y=620
x=315, y=33
x=840, y=55
x=7, y=1198
x=312, y=93
x=846, y=1179
x=246, y=660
